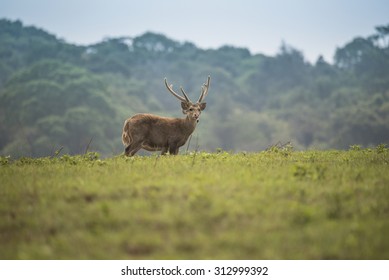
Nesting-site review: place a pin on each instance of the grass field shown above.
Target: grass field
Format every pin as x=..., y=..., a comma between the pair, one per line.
x=276, y=204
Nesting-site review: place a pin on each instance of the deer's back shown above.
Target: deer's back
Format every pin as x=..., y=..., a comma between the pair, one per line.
x=151, y=121
x=151, y=126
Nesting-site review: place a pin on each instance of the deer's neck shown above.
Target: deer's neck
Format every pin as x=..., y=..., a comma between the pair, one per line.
x=189, y=125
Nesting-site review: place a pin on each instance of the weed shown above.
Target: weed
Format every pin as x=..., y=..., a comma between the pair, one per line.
x=355, y=148
x=382, y=148
x=283, y=149
x=4, y=160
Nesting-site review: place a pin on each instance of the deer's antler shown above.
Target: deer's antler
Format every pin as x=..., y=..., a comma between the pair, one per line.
x=204, y=90
x=170, y=89
x=184, y=93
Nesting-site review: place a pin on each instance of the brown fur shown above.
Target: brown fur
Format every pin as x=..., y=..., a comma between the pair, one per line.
x=155, y=133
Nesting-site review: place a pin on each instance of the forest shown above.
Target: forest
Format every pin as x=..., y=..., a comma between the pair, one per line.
x=56, y=96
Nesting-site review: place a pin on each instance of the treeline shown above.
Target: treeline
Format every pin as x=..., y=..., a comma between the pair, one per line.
x=55, y=95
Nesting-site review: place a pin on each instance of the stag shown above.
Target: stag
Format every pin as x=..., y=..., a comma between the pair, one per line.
x=155, y=133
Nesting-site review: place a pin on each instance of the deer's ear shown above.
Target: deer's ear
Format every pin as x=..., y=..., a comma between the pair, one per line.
x=203, y=105
x=185, y=106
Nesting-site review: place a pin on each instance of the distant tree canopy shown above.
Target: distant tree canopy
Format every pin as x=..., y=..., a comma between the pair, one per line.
x=52, y=103
x=54, y=94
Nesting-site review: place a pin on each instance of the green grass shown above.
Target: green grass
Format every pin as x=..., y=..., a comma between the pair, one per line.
x=277, y=204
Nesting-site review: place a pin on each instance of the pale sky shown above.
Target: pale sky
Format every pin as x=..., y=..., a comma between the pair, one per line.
x=313, y=27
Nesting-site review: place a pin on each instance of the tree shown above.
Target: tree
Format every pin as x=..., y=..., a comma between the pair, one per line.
x=53, y=93
x=51, y=103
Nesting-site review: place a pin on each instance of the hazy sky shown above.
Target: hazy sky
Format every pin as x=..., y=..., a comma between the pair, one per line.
x=313, y=27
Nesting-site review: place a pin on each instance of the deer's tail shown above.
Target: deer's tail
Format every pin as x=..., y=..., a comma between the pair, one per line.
x=126, y=136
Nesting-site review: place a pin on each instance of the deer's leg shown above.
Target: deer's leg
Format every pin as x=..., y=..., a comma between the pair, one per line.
x=132, y=148
x=134, y=151
x=176, y=151
x=163, y=151
x=127, y=150
x=173, y=149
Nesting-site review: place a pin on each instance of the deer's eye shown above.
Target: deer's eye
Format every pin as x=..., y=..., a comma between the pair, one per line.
x=191, y=109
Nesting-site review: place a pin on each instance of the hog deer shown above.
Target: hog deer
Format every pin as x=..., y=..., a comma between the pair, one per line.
x=155, y=133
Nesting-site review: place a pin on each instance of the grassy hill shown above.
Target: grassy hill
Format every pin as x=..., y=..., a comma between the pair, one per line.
x=276, y=204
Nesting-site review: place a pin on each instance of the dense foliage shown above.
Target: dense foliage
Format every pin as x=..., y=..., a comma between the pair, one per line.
x=54, y=94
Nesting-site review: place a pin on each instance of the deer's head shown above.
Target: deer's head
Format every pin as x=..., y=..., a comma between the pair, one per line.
x=192, y=110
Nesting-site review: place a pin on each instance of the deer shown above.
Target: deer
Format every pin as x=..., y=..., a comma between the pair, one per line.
x=155, y=133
